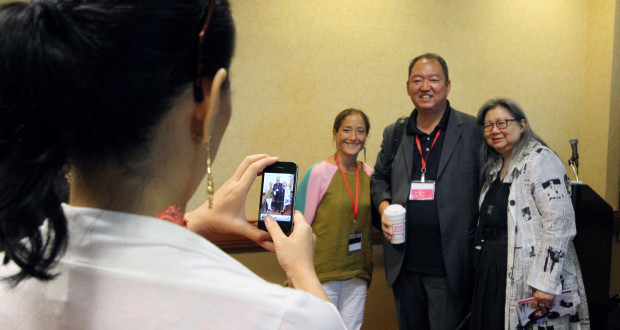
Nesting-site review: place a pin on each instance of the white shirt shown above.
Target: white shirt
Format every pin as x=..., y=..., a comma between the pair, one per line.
x=126, y=271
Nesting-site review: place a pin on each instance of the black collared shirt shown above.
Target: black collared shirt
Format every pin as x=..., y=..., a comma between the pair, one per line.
x=423, y=253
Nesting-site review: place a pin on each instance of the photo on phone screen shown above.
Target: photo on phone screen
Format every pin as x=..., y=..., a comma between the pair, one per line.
x=278, y=187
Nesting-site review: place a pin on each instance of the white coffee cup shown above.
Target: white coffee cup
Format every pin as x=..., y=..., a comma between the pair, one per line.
x=395, y=214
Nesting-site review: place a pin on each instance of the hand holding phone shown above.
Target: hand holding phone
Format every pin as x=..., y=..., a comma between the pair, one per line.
x=227, y=216
x=297, y=250
x=296, y=256
x=278, y=187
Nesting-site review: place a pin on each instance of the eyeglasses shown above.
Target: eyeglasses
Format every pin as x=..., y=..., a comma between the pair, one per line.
x=501, y=124
x=198, y=94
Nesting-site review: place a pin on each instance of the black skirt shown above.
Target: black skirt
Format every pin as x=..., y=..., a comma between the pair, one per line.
x=490, y=279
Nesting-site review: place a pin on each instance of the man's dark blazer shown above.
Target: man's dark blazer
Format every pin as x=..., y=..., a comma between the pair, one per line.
x=456, y=192
x=278, y=196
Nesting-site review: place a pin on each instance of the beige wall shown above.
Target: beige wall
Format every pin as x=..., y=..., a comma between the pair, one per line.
x=298, y=63
x=595, y=114
x=613, y=162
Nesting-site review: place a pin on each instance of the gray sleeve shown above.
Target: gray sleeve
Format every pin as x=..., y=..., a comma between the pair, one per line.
x=380, y=181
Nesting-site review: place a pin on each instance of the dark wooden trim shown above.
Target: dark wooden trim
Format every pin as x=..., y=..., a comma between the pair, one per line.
x=233, y=242
x=236, y=242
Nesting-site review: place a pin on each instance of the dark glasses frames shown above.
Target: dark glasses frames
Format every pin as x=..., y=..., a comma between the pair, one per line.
x=198, y=94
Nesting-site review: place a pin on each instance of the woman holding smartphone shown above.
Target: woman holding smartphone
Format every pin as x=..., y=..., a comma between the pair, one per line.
x=334, y=196
x=134, y=95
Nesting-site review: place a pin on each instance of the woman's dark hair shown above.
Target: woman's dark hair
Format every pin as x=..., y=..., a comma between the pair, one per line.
x=347, y=112
x=490, y=158
x=84, y=83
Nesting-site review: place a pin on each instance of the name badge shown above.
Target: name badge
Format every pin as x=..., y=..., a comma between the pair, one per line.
x=422, y=191
x=355, y=242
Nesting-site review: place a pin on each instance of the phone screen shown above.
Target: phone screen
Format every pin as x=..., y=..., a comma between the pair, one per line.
x=278, y=187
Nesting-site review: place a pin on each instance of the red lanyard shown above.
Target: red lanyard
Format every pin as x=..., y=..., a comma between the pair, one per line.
x=357, y=186
x=417, y=142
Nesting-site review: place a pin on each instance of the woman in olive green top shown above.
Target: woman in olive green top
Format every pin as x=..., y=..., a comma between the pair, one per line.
x=269, y=197
x=334, y=196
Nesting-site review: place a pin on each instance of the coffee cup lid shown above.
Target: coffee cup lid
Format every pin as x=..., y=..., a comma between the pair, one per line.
x=394, y=209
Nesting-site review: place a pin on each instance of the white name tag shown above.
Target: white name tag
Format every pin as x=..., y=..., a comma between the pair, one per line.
x=355, y=242
x=422, y=191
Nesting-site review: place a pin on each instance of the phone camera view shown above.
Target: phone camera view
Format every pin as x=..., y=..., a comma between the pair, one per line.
x=277, y=196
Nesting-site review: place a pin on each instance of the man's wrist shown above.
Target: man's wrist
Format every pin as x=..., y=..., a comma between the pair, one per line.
x=383, y=205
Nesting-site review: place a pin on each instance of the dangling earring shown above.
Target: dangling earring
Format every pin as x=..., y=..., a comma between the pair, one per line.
x=364, y=153
x=210, y=185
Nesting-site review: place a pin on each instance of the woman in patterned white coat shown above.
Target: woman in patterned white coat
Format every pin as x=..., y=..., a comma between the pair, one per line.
x=541, y=261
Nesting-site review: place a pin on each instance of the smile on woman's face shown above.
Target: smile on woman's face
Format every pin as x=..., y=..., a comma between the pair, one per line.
x=351, y=135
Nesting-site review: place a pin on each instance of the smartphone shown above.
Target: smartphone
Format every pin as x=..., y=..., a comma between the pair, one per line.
x=277, y=195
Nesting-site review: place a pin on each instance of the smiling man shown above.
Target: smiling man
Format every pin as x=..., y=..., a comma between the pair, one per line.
x=428, y=163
